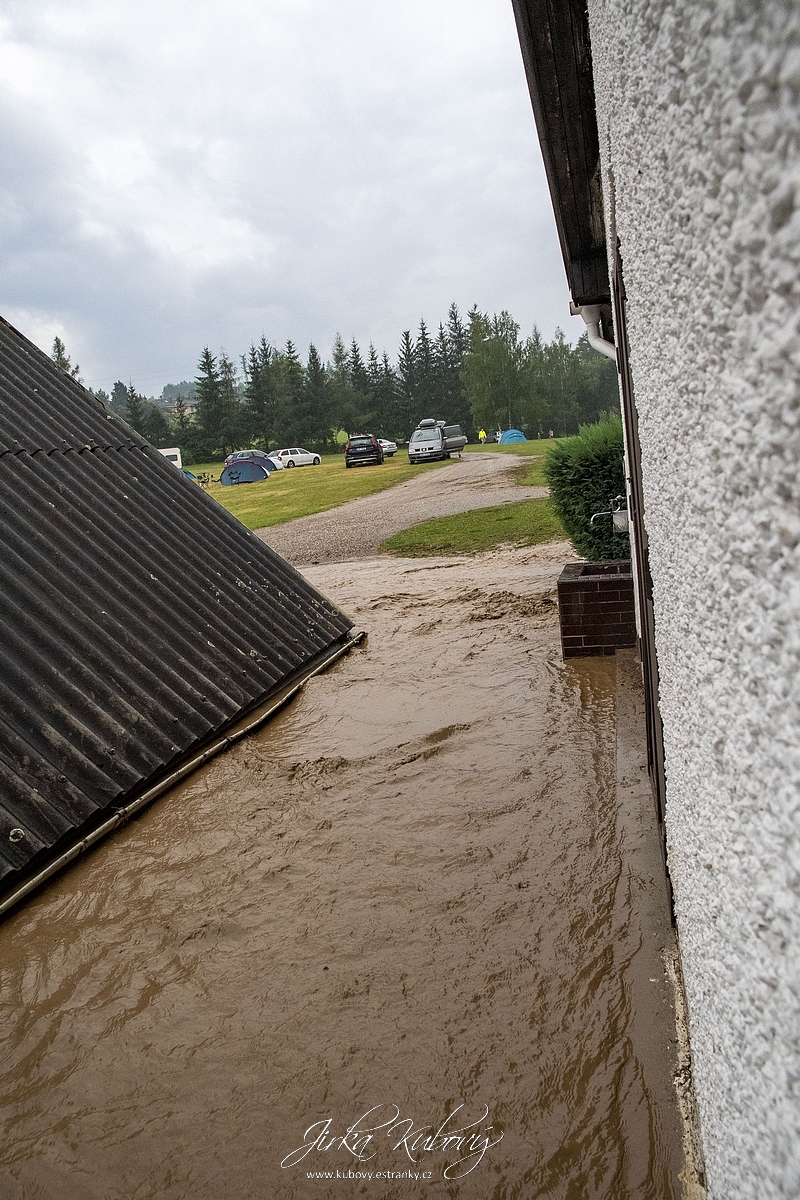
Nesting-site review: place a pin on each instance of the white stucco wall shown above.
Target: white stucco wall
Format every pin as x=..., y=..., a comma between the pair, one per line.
x=699, y=116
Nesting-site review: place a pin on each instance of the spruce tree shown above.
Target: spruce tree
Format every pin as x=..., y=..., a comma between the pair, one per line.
x=258, y=408
x=230, y=407
x=344, y=401
x=386, y=402
x=181, y=423
x=155, y=426
x=135, y=410
x=119, y=398
x=457, y=336
x=288, y=390
x=209, y=415
x=359, y=378
x=61, y=359
x=408, y=406
x=314, y=407
x=458, y=342
x=425, y=372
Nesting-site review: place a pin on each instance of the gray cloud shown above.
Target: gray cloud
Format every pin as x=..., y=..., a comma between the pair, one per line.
x=204, y=172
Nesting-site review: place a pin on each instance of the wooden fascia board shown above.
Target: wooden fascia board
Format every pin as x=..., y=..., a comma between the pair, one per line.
x=554, y=37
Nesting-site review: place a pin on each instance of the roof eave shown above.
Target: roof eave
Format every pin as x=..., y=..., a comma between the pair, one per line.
x=554, y=36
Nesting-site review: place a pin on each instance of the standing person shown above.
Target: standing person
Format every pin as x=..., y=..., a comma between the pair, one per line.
x=551, y=433
x=481, y=436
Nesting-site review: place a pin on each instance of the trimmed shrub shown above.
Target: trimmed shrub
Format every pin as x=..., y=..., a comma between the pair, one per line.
x=584, y=473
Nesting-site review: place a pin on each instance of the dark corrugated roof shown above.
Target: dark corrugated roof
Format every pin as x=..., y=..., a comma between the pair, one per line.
x=556, y=50
x=139, y=617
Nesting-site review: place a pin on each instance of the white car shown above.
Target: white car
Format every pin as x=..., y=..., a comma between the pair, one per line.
x=388, y=448
x=296, y=457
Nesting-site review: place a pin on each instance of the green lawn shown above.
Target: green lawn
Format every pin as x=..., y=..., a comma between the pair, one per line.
x=299, y=491
x=527, y=523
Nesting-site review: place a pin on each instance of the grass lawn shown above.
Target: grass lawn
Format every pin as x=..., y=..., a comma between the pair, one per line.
x=532, y=473
x=524, y=524
x=299, y=491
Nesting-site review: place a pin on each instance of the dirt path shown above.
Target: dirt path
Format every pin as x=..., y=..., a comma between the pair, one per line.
x=420, y=887
x=356, y=529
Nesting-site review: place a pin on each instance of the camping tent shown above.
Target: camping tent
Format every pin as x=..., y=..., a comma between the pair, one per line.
x=512, y=435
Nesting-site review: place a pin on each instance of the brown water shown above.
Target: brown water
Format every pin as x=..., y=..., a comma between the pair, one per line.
x=415, y=890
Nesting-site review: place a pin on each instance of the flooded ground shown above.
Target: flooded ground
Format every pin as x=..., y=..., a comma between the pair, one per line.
x=432, y=882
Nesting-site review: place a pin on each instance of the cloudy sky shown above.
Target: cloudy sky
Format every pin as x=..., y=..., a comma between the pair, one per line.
x=188, y=172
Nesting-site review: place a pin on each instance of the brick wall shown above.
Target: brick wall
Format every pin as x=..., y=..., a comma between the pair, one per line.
x=595, y=607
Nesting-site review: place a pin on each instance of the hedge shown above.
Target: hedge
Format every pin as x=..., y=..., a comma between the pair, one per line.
x=584, y=473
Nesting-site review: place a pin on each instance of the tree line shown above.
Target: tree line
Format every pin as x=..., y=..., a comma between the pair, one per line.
x=476, y=372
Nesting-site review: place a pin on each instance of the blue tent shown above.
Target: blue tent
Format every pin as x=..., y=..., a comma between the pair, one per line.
x=246, y=471
x=512, y=435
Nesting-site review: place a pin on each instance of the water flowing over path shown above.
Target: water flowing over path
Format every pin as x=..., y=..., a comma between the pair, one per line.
x=433, y=881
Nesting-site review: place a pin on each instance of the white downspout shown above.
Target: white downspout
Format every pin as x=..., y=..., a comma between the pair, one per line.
x=591, y=317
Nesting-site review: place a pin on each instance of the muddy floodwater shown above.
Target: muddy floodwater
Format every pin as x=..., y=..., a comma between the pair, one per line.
x=424, y=905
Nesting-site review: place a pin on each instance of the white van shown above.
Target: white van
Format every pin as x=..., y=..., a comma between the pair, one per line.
x=173, y=453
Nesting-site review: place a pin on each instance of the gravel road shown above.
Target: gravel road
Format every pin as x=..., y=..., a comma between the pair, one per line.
x=356, y=529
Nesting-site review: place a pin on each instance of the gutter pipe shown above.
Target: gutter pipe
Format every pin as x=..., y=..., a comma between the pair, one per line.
x=121, y=815
x=591, y=317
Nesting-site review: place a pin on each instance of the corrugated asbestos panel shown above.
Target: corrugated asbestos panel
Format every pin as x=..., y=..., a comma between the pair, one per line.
x=139, y=617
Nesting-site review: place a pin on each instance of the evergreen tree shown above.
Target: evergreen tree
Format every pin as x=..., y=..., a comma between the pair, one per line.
x=408, y=400
x=119, y=398
x=182, y=425
x=359, y=378
x=230, y=408
x=288, y=392
x=61, y=359
x=258, y=409
x=344, y=400
x=382, y=392
x=358, y=371
x=134, y=408
x=314, y=408
x=155, y=426
x=426, y=373
x=209, y=411
x=457, y=336
x=458, y=343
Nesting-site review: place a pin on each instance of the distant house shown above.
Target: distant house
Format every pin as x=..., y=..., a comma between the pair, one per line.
x=671, y=137
x=140, y=619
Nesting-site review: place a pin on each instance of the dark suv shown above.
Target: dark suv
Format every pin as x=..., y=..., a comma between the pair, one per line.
x=362, y=448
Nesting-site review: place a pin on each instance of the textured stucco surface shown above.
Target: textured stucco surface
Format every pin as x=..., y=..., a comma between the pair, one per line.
x=698, y=109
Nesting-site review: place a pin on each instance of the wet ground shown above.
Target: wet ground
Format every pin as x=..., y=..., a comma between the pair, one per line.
x=432, y=882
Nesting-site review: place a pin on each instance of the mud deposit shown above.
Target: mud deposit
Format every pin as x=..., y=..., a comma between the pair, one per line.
x=416, y=889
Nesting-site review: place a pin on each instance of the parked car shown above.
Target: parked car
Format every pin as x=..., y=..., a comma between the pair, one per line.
x=362, y=448
x=267, y=461
x=433, y=440
x=388, y=448
x=297, y=457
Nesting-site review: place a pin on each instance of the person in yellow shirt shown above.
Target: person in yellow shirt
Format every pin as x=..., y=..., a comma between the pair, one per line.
x=481, y=436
